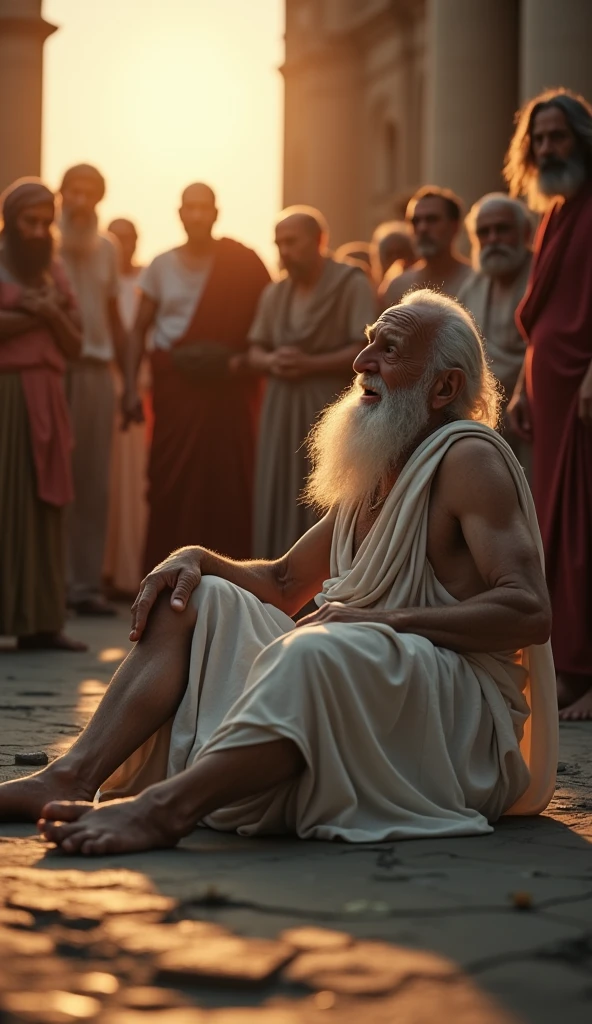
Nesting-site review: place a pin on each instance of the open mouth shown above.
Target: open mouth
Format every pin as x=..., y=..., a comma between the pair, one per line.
x=370, y=394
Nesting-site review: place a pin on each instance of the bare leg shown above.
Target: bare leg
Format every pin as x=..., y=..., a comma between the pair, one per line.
x=166, y=812
x=144, y=693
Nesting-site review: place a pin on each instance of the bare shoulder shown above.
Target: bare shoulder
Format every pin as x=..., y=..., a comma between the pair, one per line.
x=475, y=475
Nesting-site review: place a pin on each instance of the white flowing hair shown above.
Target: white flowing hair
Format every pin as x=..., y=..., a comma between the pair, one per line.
x=457, y=343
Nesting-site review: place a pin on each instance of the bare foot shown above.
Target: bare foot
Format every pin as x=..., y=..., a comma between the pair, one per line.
x=570, y=687
x=24, y=799
x=580, y=710
x=121, y=826
x=49, y=642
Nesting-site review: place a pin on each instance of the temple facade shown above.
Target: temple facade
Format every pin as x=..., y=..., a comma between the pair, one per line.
x=382, y=96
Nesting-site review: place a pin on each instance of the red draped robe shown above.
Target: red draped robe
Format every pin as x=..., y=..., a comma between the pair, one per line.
x=555, y=317
x=202, y=457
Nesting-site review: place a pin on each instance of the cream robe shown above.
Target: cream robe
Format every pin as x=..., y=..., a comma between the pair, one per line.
x=401, y=739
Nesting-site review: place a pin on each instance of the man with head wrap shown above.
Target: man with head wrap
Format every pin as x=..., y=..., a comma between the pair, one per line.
x=38, y=332
x=91, y=261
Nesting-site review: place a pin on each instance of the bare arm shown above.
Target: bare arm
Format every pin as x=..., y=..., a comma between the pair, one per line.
x=513, y=611
x=518, y=410
x=118, y=333
x=288, y=583
x=137, y=339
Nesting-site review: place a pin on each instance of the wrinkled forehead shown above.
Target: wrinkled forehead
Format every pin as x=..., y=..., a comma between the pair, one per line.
x=411, y=326
x=496, y=212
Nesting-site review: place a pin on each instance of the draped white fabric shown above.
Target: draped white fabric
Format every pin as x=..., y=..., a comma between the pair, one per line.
x=401, y=739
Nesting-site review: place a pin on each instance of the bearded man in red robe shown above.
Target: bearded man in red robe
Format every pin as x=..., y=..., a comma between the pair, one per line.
x=550, y=161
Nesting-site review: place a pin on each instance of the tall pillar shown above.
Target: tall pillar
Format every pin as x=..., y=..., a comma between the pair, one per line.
x=322, y=154
x=22, y=35
x=555, y=46
x=472, y=92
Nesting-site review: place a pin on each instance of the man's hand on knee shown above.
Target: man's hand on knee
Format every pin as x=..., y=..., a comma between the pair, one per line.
x=180, y=572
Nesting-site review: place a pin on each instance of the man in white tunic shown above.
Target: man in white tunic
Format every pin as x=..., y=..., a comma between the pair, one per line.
x=418, y=700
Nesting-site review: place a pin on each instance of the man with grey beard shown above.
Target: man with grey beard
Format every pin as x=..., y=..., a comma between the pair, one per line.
x=435, y=215
x=550, y=161
x=499, y=228
x=397, y=709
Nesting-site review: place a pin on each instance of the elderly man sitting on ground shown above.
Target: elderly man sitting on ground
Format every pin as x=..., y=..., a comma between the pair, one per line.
x=417, y=700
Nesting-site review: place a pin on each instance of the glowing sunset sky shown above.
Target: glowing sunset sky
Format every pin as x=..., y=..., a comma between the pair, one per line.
x=159, y=93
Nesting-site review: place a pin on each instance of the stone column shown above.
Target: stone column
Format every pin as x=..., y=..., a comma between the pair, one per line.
x=555, y=46
x=322, y=153
x=472, y=92
x=22, y=35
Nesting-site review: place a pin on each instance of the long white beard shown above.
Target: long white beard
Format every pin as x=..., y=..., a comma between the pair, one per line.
x=354, y=446
x=499, y=259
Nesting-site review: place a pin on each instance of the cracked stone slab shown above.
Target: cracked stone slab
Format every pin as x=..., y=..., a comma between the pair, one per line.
x=448, y=899
x=227, y=959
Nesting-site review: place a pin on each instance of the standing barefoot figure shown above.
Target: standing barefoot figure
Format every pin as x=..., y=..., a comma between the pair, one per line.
x=398, y=708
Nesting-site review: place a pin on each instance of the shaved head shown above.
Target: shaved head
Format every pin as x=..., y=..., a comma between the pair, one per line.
x=198, y=213
x=198, y=193
x=301, y=235
x=306, y=218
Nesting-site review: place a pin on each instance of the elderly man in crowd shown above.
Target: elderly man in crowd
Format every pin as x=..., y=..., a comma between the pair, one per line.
x=550, y=159
x=38, y=333
x=396, y=709
x=91, y=261
x=499, y=228
x=308, y=329
x=435, y=215
x=200, y=299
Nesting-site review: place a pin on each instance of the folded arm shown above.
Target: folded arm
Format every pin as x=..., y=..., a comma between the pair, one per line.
x=288, y=582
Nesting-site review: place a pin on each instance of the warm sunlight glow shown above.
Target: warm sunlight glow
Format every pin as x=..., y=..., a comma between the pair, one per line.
x=159, y=93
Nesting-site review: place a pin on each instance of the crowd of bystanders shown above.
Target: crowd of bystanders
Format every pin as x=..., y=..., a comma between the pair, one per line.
x=142, y=409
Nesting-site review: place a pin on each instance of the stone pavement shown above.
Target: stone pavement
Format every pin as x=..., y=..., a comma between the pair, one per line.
x=488, y=930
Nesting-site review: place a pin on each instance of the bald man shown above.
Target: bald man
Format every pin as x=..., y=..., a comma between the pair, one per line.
x=200, y=299
x=309, y=328
x=500, y=230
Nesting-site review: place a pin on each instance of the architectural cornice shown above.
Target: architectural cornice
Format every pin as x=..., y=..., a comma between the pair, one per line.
x=15, y=25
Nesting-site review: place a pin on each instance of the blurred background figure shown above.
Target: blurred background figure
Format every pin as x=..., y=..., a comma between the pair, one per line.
x=435, y=215
x=91, y=262
x=356, y=254
x=128, y=508
x=200, y=299
x=391, y=252
x=38, y=333
x=500, y=230
x=308, y=330
x=550, y=161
